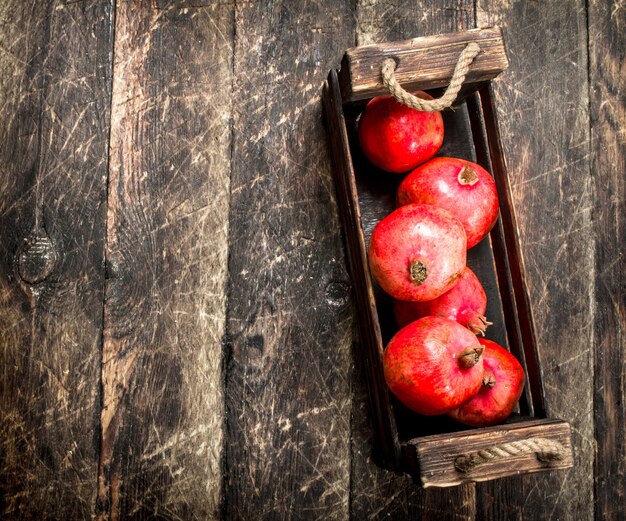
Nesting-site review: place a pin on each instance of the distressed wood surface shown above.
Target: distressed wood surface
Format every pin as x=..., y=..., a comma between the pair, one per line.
x=607, y=106
x=176, y=323
x=542, y=100
x=55, y=75
x=288, y=346
x=437, y=454
x=162, y=416
x=422, y=63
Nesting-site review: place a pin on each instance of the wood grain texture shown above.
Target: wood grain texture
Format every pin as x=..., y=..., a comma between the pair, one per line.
x=437, y=453
x=379, y=21
x=422, y=63
x=607, y=59
x=376, y=493
x=542, y=101
x=55, y=84
x=167, y=221
x=298, y=440
x=289, y=316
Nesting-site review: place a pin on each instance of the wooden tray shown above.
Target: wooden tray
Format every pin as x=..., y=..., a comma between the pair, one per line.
x=427, y=447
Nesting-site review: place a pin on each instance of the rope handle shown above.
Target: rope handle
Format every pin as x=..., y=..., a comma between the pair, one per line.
x=458, y=77
x=546, y=450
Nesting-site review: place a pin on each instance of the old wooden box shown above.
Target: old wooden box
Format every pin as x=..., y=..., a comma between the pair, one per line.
x=428, y=447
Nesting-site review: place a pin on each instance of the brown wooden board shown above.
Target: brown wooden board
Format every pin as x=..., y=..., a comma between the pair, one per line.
x=607, y=49
x=162, y=416
x=542, y=104
x=560, y=107
x=55, y=85
x=366, y=196
x=437, y=454
x=289, y=329
x=426, y=62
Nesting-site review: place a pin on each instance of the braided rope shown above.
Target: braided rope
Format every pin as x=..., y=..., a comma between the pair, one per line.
x=545, y=449
x=458, y=77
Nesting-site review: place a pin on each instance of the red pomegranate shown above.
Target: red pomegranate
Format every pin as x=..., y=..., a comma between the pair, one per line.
x=503, y=383
x=417, y=252
x=465, y=303
x=463, y=188
x=397, y=138
x=433, y=365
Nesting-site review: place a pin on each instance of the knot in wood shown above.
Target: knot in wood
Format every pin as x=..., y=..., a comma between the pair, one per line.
x=337, y=293
x=36, y=257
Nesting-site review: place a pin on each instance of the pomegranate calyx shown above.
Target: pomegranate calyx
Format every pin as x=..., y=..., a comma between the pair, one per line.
x=478, y=324
x=489, y=379
x=470, y=356
x=418, y=272
x=468, y=176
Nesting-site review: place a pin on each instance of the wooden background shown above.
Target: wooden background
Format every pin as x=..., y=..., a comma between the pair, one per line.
x=176, y=323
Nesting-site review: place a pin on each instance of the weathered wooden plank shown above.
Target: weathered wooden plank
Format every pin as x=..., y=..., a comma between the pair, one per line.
x=438, y=454
x=379, y=21
x=289, y=315
x=422, y=63
x=607, y=50
x=162, y=416
x=376, y=493
x=55, y=83
x=542, y=104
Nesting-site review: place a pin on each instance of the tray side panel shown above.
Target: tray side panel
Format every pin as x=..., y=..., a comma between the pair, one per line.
x=423, y=63
x=370, y=334
x=437, y=454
